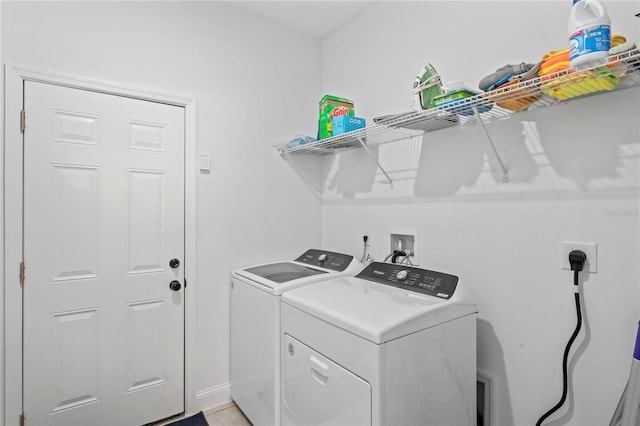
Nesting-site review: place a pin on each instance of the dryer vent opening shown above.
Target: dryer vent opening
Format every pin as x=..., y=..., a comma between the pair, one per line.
x=483, y=393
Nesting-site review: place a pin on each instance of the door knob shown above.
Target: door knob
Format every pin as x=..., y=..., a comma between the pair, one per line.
x=174, y=263
x=175, y=285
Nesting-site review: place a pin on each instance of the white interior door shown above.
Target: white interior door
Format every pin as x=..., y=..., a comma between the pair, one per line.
x=103, y=217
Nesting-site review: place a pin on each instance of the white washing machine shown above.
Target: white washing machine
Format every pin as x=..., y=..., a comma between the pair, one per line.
x=394, y=345
x=255, y=326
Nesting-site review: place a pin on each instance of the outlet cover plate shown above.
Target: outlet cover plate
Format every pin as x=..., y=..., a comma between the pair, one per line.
x=412, y=234
x=590, y=249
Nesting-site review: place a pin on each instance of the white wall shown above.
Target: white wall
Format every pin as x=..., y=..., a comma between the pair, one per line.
x=502, y=239
x=255, y=85
x=575, y=176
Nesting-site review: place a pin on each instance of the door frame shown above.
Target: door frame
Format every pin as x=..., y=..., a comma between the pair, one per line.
x=11, y=215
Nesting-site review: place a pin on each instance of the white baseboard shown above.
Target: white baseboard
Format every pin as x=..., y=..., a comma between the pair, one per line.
x=214, y=410
x=214, y=399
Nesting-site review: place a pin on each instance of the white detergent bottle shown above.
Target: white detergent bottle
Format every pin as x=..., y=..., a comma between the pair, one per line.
x=589, y=32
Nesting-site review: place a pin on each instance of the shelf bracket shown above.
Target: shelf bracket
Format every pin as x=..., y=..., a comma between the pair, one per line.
x=316, y=188
x=505, y=172
x=366, y=148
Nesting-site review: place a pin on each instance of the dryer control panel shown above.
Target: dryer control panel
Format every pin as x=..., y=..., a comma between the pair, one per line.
x=326, y=259
x=433, y=283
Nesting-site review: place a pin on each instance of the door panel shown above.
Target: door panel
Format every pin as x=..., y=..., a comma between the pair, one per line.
x=75, y=358
x=146, y=196
x=75, y=222
x=103, y=215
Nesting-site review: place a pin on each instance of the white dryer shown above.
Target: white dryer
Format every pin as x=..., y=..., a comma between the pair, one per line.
x=394, y=345
x=255, y=326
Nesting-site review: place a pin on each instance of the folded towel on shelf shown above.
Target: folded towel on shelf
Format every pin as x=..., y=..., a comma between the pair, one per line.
x=300, y=140
x=508, y=87
x=503, y=73
x=510, y=94
x=558, y=60
x=528, y=71
x=554, y=54
x=515, y=96
x=532, y=73
x=622, y=47
x=562, y=82
x=575, y=84
x=617, y=40
x=554, y=61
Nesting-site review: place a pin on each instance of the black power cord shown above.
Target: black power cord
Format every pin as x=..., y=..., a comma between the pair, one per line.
x=577, y=258
x=365, y=254
x=396, y=255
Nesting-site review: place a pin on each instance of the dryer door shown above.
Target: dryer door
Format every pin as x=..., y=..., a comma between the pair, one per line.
x=317, y=391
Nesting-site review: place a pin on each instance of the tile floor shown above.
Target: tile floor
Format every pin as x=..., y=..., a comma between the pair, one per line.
x=230, y=416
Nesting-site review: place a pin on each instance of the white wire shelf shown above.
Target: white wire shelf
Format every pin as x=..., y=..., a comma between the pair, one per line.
x=612, y=73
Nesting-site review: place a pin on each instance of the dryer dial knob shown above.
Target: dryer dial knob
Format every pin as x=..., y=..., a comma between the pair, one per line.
x=322, y=257
x=402, y=275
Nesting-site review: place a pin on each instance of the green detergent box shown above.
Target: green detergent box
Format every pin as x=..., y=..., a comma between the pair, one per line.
x=331, y=107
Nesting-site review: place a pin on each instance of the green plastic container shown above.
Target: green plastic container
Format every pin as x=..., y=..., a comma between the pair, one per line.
x=454, y=94
x=455, y=101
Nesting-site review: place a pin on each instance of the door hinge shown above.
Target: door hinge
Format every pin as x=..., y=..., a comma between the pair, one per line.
x=22, y=419
x=22, y=274
x=22, y=121
x=185, y=283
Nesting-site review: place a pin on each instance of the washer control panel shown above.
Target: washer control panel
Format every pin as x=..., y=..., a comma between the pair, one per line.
x=326, y=259
x=433, y=283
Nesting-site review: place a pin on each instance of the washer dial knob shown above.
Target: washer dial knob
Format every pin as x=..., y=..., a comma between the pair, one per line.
x=322, y=257
x=402, y=275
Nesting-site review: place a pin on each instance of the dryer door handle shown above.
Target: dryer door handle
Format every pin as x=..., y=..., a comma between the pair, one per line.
x=319, y=368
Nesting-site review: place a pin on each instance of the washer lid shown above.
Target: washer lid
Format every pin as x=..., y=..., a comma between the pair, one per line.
x=275, y=278
x=374, y=311
x=283, y=271
x=312, y=266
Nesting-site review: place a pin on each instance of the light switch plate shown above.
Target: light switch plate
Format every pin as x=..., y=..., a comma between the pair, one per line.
x=204, y=164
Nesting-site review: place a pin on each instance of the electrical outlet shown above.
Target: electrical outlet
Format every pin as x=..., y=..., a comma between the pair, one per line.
x=590, y=249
